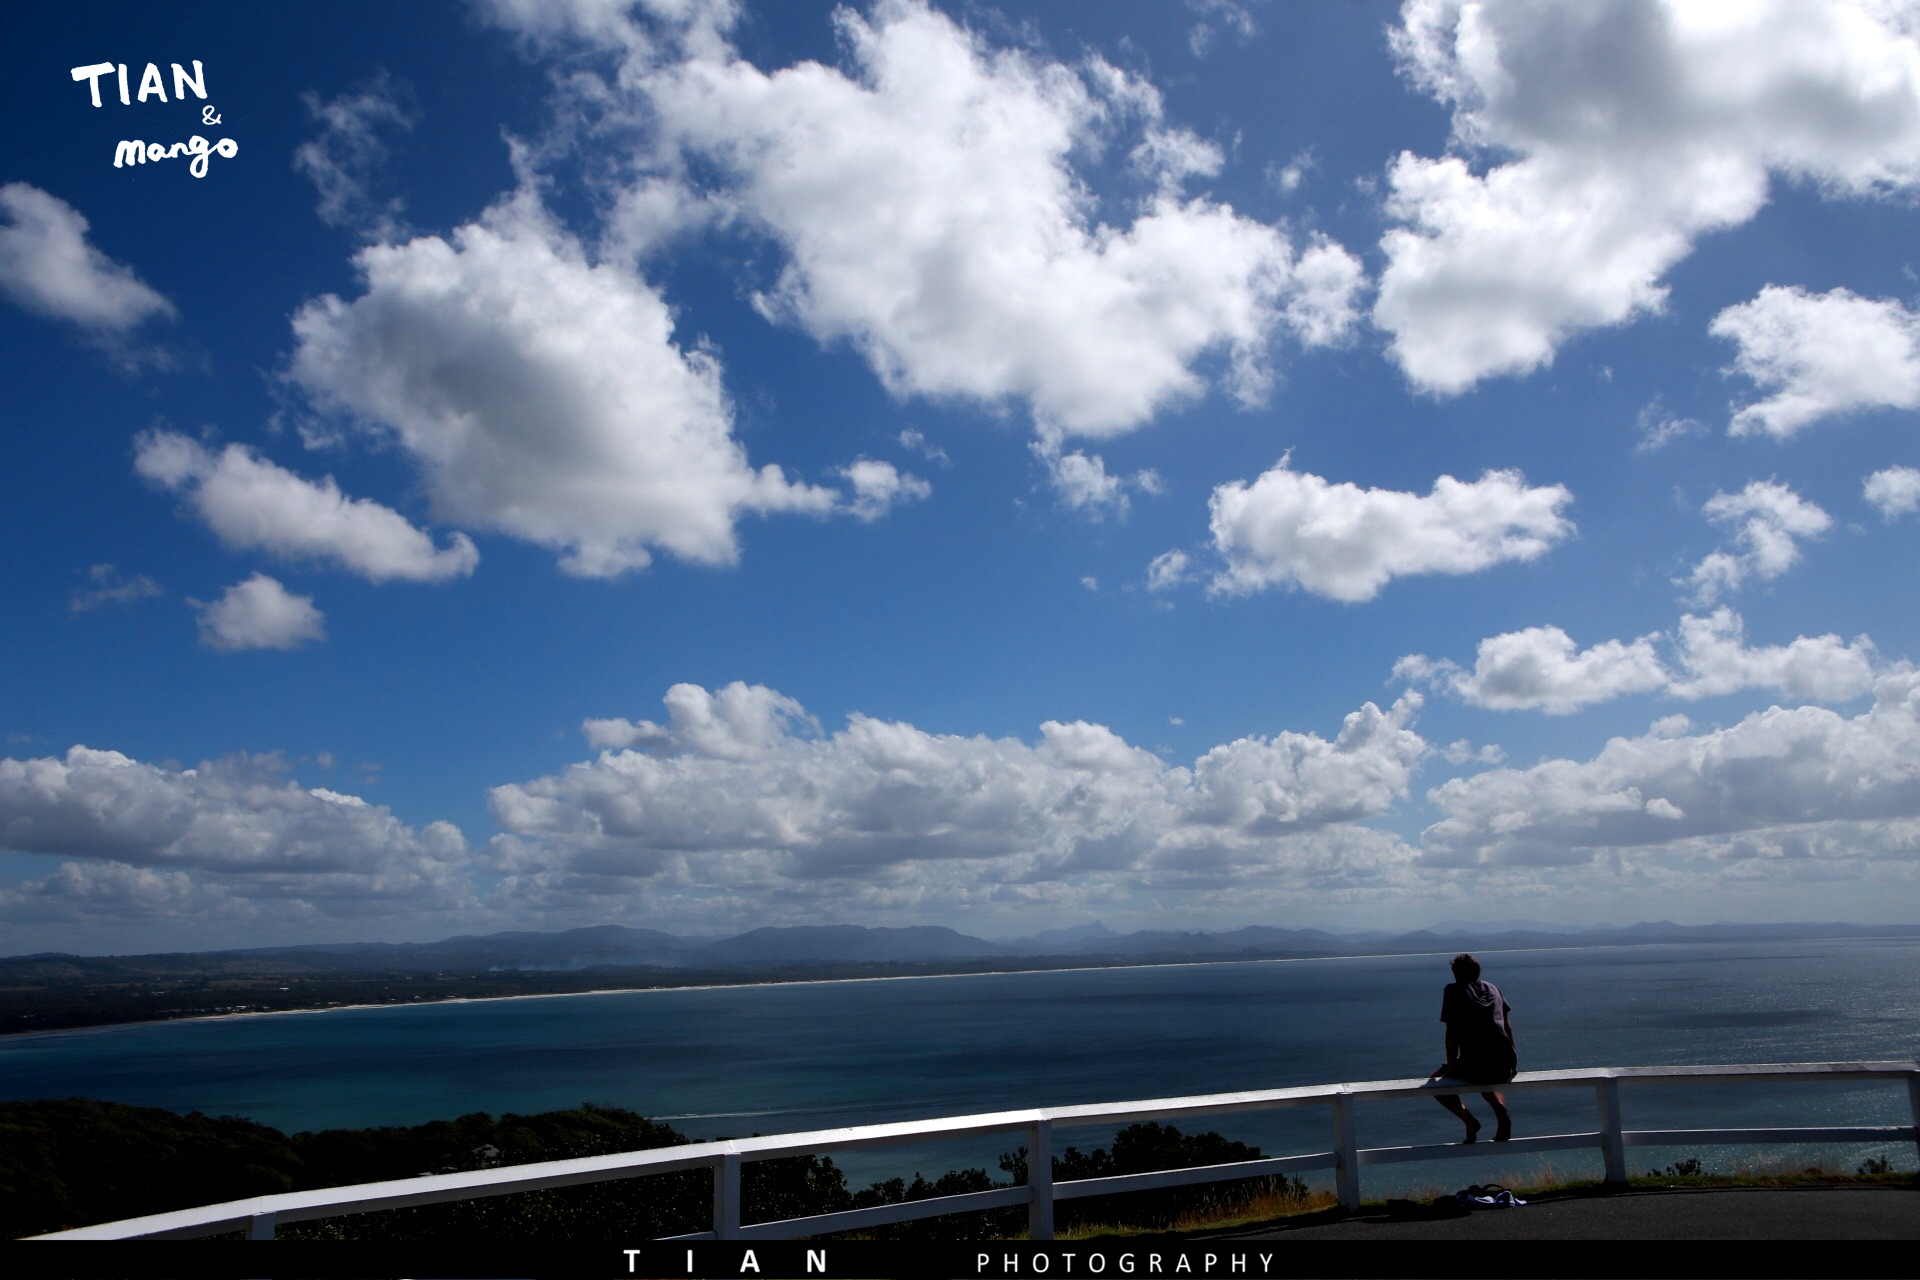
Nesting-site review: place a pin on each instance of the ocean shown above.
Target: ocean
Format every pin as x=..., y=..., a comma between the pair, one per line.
x=732, y=1061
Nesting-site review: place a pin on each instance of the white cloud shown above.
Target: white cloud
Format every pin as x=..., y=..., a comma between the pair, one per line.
x=115, y=894
x=933, y=218
x=915, y=439
x=47, y=266
x=740, y=722
x=1602, y=138
x=1168, y=569
x=878, y=487
x=1658, y=428
x=1541, y=668
x=1232, y=15
x=696, y=25
x=1783, y=776
x=542, y=395
x=740, y=789
x=1766, y=519
x=1460, y=751
x=1288, y=177
x=259, y=614
x=229, y=839
x=652, y=214
x=1715, y=660
x=1894, y=492
x=1289, y=528
x=345, y=159
x=108, y=586
x=1821, y=355
x=251, y=504
x=1084, y=483
x=238, y=814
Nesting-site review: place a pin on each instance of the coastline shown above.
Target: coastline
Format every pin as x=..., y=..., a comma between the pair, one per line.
x=59, y=993
x=766, y=982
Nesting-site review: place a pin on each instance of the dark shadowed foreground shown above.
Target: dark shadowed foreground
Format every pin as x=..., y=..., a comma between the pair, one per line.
x=1727, y=1213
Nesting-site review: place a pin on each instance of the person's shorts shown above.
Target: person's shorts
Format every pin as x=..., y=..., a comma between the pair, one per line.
x=1480, y=1074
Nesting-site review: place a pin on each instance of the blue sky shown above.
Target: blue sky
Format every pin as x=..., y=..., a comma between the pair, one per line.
x=699, y=465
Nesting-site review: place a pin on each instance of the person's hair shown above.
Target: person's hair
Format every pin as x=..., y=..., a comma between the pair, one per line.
x=1466, y=968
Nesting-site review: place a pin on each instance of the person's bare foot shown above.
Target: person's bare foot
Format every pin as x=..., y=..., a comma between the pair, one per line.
x=1473, y=1129
x=1502, y=1131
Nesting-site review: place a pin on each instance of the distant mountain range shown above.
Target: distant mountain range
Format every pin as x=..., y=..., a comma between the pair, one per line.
x=616, y=947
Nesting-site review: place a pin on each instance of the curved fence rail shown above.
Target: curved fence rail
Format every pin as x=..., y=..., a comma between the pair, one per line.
x=259, y=1216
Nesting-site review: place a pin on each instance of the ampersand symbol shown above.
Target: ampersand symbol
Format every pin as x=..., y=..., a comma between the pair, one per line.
x=207, y=116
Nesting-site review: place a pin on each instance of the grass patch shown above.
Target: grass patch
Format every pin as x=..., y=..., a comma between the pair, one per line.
x=1267, y=1207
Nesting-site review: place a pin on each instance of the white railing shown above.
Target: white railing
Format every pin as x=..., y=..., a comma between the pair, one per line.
x=259, y=1216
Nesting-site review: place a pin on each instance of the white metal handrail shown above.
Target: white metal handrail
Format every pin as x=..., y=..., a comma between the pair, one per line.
x=259, y=1215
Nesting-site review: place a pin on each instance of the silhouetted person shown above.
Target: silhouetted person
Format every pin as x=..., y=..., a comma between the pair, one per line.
x=1479, y=1045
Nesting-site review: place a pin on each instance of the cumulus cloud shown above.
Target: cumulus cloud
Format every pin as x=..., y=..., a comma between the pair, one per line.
x=878, y=487
x=251, y=504
x=345, y=159
x=1787, y=778
x=1290, y=528
x=1894, y=492
x=115, y=894
x=739, y=786
x=1542, y=669
x=1084, y=484
x=1715, y=659
x=48, y=267
x=1766, y=519
x=1820, y=355
x=1460, y=751
x=1600, y=139
x=542, y=395
x=153, y=841
x=740, y=722
x=259, y=614
x=932, y=216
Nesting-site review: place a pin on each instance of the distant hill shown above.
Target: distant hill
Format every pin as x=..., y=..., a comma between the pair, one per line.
x=619, y=947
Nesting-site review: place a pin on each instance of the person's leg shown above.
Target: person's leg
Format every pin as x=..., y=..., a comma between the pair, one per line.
x=1503, y=1128
x=1451, y=1101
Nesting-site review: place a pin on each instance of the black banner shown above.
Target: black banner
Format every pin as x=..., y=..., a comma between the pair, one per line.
x=1136, y=1258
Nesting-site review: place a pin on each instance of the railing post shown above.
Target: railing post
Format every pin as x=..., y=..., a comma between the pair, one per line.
x=1040, y=1180
x=1913, y=1105
x=1612, y=1142
x=726, y=1196
x=260, y=1226
x=1346, y=1154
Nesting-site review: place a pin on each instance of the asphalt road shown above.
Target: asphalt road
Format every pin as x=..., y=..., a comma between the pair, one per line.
x=1742, y=1214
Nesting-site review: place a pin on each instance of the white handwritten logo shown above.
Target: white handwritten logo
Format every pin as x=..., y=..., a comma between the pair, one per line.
x=152, y=85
